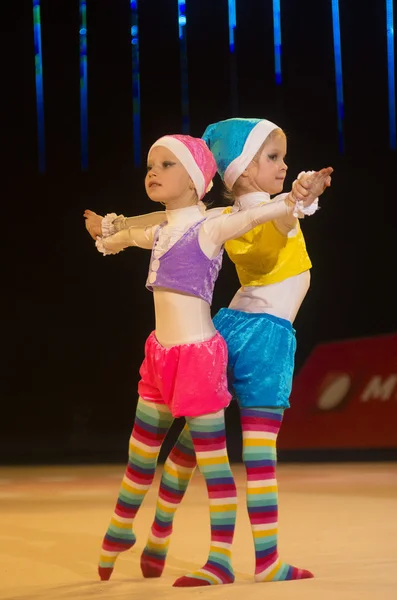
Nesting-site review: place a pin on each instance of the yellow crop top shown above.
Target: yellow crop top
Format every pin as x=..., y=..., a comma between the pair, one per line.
x=264, y=255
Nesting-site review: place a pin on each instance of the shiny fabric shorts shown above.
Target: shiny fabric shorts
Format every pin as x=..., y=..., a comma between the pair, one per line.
x=191, y=379
x=261, y=350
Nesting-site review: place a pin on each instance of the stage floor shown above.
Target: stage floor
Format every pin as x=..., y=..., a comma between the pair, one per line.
x=339, y=521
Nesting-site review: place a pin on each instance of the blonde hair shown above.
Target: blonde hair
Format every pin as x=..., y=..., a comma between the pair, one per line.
x=230, y=195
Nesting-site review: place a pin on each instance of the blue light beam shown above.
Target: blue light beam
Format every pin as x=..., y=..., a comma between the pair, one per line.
x=391, y=73
x=184, y=67
x=232, y=23
x=136, y=84
x=232, y=49
x=38, y=57
x=277, y=40
x=83, y=86
x=338, y=72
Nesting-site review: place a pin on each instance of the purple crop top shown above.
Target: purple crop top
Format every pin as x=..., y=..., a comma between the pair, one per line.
x=185, y=267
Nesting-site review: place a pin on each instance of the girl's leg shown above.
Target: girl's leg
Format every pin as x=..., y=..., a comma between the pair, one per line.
x=178, y=470
x=209, y=439
x=152, y=422
x=260, y=429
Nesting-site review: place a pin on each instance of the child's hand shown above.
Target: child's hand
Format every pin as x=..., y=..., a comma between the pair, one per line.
x=93, y=224
x=309, y=186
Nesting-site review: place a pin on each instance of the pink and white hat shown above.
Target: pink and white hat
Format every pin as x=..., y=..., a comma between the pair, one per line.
x=195, y=156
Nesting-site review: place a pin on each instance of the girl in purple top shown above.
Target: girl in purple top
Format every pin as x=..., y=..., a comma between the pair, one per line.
x=186, y=257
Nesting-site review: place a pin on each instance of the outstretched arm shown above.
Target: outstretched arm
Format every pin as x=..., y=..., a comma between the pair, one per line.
x=97, y=225
x=218, y=230
x=142, y=237
x=306, y=189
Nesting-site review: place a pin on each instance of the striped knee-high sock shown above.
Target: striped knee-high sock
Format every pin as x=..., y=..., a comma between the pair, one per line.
x=152, y=422
x=178, y=470
x=260, y=429
x=209, y=439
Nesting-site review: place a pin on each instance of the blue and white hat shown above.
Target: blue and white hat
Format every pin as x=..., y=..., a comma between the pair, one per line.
x=234, y=143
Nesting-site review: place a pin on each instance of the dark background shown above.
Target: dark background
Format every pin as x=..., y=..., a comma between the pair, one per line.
x=74, y=323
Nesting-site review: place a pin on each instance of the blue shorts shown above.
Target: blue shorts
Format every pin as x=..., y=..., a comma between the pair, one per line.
x=261, y=357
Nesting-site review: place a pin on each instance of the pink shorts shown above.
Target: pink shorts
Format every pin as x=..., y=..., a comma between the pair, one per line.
x=189, y=378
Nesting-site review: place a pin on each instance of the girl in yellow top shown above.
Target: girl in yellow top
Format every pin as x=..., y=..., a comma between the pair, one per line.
x=273, y=268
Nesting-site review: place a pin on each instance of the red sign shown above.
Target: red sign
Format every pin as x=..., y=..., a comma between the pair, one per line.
x=344, y=397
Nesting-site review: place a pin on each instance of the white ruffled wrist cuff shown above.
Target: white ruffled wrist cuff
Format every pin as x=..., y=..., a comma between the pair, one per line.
x=101, y=247
x=107, y=225
x=302, y=211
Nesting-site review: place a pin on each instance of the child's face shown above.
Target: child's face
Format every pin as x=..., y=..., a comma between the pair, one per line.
x=269, y=171
x=166, y=180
